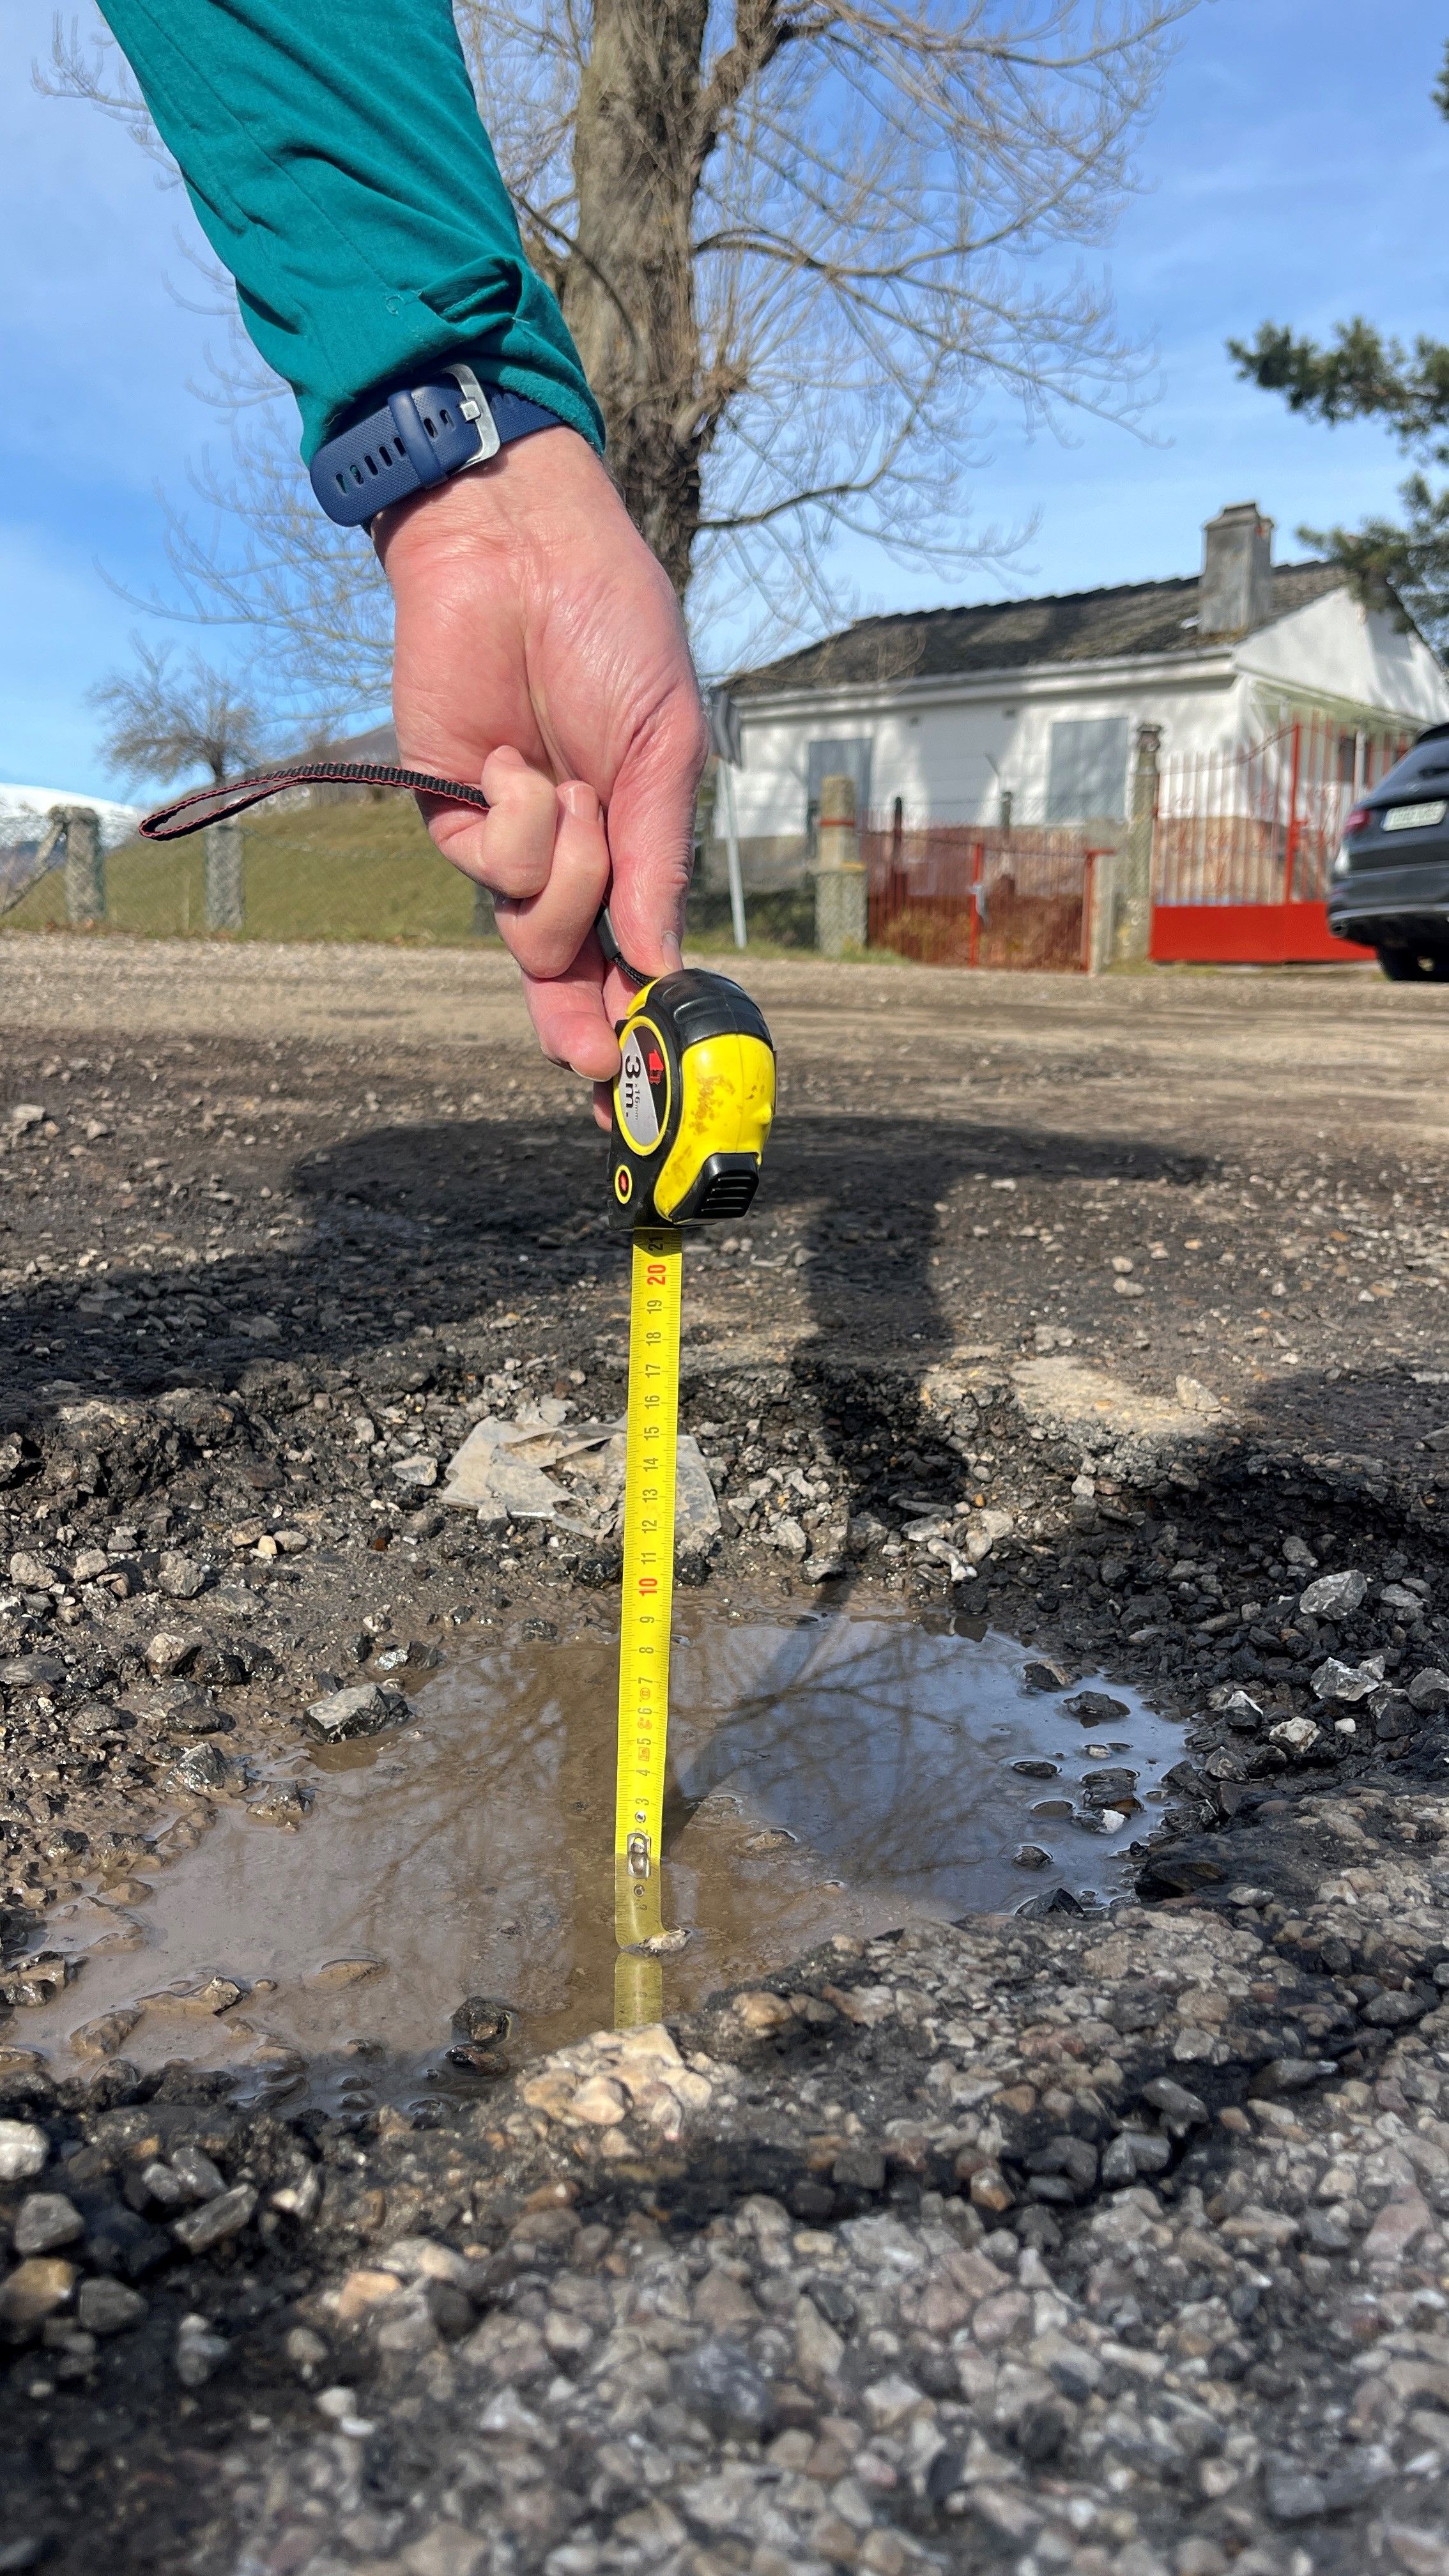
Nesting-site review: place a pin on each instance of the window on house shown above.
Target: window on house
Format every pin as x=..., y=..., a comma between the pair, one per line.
x=1087, y=769
x=845, y=759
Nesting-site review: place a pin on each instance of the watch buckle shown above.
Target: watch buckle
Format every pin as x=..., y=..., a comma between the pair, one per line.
x=475, y=407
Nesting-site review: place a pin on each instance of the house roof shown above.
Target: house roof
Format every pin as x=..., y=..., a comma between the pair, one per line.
x=1009, y=634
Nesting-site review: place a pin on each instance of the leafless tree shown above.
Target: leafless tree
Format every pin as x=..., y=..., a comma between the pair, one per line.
x=808, y=249
x=162, y=722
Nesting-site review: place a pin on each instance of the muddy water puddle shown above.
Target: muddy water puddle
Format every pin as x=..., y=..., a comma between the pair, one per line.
x=828, y=1774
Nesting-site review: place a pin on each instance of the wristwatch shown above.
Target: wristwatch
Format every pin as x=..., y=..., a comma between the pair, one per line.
x=415, y=436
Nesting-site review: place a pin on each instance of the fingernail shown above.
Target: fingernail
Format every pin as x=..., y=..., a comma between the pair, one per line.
x=673, y=953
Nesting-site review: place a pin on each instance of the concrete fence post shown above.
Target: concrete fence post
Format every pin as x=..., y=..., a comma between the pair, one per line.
x=85, y=864
x=1101, y=928
x=224, y=881
x=1133, y=938
x=840, y=907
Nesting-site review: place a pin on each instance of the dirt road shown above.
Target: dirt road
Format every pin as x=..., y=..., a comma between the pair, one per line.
x=1107, y=1315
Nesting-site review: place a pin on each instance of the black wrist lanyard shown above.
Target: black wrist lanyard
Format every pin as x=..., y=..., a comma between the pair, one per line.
x=203, y=805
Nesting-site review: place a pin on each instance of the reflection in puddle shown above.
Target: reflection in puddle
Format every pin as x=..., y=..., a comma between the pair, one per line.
x=828, y=1775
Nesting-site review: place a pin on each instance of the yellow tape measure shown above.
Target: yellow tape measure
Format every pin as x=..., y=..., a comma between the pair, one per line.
x=693, y=1106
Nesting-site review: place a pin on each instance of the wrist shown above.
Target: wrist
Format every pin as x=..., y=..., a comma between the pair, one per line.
x=541, y=490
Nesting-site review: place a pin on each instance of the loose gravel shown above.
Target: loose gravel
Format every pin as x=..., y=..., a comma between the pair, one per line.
x=1109, y=2242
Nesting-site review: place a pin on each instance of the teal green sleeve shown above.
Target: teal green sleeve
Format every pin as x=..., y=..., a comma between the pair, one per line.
x=334, y=155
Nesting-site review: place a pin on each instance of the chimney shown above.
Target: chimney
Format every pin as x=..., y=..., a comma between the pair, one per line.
x=1237, y=571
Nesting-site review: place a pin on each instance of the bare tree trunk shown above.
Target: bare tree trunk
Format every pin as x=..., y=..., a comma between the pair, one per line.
x=629, y=289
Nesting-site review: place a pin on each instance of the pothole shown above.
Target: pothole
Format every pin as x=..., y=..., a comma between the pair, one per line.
x=829, y=1774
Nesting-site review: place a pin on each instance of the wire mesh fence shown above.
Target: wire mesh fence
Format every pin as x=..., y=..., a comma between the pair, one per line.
x=360, y=869
x=968, y=894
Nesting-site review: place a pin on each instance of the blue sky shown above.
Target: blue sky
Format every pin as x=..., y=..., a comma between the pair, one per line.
x=1295, y=168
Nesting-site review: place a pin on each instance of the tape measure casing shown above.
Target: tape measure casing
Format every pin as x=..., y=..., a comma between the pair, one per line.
x=693, y=1103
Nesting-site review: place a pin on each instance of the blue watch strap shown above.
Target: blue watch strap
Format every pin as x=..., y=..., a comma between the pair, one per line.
x=417, y=436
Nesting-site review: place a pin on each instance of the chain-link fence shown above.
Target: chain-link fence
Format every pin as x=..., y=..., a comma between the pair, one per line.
x=323, y=863
x=360, y=869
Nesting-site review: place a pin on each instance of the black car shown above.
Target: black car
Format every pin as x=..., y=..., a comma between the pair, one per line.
x=1390, y=883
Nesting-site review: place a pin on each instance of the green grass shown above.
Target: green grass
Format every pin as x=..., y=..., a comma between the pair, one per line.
x=355, y=871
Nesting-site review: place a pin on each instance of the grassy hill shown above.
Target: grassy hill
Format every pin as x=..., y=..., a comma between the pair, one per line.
x=353, y=871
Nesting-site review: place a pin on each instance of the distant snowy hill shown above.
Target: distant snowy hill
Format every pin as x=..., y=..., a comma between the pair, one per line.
x=23, y=813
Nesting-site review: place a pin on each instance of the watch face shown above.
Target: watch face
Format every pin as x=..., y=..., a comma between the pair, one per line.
x=641, y=1094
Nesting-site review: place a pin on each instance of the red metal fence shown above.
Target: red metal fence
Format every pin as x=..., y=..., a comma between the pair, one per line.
x=969, y=894
x=1243, y=842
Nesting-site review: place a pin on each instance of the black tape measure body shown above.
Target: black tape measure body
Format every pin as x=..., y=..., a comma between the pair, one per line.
x=693, y=1103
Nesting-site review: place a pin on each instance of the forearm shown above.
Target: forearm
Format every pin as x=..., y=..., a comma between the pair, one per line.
x=338, y=167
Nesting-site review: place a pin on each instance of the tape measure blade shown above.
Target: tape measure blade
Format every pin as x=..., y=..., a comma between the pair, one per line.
x=648, y=1582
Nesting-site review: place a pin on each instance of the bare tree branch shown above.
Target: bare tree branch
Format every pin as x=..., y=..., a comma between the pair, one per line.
x=163, y=723
x=811, y=252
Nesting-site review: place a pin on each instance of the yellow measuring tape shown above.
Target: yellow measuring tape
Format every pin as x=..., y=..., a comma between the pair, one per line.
x=648, y=1593
x=692, y=1111
x=648, y=1601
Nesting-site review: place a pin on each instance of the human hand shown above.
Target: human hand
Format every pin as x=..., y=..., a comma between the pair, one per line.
x=540, y=650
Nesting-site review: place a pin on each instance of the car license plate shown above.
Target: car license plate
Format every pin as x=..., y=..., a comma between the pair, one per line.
x=1412, y=818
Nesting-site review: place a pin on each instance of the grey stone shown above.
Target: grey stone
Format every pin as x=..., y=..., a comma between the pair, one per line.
x=199, y=2178
x=31, y=1672
x=1096, y=1708
x=1293, y=2495
x=46, y=2219
x=1133, y=2152
x=1290, y=2075
x=171, y=1650
x=1429, y=1688
x=179, y=1577
x=417, y=1473
x=204, y=1768
x=721, y=2384
x=200, y=2351
x=107, y=2307
x=1349, y=1683
x=364, y=1709
x=216, y=2220
x=1243, y=1713
x=1327, y=2231
x=33, y=1573
x=482, y=2021
x=1180, y=2109
x=31, y=1982
x=283, y=1803
x=1334, y=1596
x=24, y=2148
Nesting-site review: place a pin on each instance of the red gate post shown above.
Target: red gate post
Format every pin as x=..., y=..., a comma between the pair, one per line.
x=973, y=935
x=1089, y=882
x=1290, y=852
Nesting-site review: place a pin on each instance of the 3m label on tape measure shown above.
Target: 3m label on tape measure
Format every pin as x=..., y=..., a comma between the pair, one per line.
x=643, y=1087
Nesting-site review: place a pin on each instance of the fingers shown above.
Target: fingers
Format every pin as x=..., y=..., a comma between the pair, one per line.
x=568, y=1013
x=546, y=931
x=651, y=831
x=509, y=849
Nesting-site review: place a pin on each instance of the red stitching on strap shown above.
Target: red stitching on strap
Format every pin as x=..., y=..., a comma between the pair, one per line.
x=204, y=805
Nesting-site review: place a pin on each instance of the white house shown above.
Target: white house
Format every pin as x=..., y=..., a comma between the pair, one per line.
x=1027, y=710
